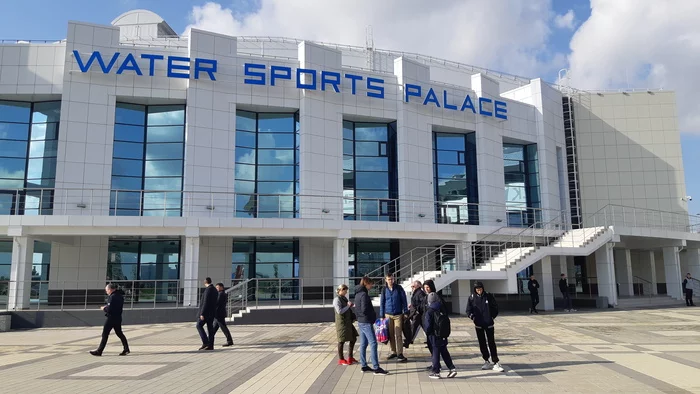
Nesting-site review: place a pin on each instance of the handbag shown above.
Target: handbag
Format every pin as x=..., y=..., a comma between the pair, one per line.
x=381, y=330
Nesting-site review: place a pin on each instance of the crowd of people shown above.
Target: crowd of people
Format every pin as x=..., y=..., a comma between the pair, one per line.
x=427, y=311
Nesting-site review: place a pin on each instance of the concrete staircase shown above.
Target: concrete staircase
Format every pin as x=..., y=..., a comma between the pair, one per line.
x=656, y=301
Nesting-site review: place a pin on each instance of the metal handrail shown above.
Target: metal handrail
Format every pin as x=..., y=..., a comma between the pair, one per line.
x=643, y=281
x=383, y=270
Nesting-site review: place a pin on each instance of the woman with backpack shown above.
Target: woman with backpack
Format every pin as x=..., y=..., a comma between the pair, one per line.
x=482, y=309
x=437, y=327
x=344, y=328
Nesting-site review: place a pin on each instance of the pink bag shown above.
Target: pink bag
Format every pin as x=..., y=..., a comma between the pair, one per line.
x=381, y=330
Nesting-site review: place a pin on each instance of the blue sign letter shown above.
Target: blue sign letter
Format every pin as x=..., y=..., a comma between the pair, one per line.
x=279, y=72
x=198, y=63
x=483, y=100
x=354, y=78
x=129, y=64
x=378, y=90
x=468, y=104
x=151, y=62
x=412, y=90
x=172, y=67
x=500, y=109
x=248, y=71
x=444, y=100
x=311, y=85
x=95, y=55
x=431, y=98
x=335, y=81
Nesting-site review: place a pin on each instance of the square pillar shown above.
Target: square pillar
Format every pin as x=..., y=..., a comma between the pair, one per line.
x=623, y=271
x=190, y=270
x=652, y=268
x=693, y=259
x=672, y=269
x=543, y=273
x=605, y=267
x=563, y=266
x=341, y=261
x=20, y=287
x=464, y=256
x=461, y=290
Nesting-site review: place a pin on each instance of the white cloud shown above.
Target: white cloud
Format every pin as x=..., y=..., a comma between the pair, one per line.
x=641, y=44
x=507, y=35
x=566, y=21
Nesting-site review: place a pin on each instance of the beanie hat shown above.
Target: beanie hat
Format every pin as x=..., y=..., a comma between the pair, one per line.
x=433, y=297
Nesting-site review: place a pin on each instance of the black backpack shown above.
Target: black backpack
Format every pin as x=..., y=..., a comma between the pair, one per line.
x=442, y=324
x=493, y=306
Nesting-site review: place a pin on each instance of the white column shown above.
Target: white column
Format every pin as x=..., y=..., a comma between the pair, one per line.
x=564, y=267
x=693, y=258
x=672, y=268
x=605, y=267
x=461, y=290
x=464, y=256
x=340, y=261
x=20, y=273
x=652, y=268
x=191, y=269
x=543, y=273
x=623, y=271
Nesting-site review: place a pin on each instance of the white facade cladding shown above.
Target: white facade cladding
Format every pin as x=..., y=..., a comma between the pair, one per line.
x=177, y=158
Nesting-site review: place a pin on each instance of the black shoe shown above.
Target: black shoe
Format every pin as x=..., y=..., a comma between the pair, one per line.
x=402, y=359
x=530, y=309
x=227, y=344
x=125, y=352
x=392, y=356
x=209, y=348
x=429, y=368
x=95, y=353
x=380, y=371
x=203, y=347
x=366, y=369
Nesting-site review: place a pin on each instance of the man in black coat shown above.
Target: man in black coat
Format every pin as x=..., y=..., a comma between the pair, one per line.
x=415, y=311
x=564, y=289
x=113, y=311
x=481, y=308
x=220, y=317
x=207, y=311
x=533, y=287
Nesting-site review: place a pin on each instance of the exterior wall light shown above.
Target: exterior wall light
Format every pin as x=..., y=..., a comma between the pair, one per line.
x=210, y=207
x=326, y=210
x=81, y=205
x=421, y=215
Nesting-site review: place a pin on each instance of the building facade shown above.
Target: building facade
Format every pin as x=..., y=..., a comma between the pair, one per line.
x=131, y=155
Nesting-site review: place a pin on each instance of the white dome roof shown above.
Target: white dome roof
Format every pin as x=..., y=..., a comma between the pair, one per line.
x=137, y=17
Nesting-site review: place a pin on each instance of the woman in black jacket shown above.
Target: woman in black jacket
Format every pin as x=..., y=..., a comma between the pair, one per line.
x=366, y=316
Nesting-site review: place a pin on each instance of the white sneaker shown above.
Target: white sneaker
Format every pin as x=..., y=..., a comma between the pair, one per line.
x=572, y=310
x=497, y=367
x=487, y=365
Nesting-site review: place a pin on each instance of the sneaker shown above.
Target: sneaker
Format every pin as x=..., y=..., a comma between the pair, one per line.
x=380, y=371
x=402, y=359
x=497, y=367
x=452, y=373
x=366, y=369
x=434, y=375
x=487, y=365
x=567, y=310
x=343, y=362
x=572, y=310
x=392, y=356
x=351, y=361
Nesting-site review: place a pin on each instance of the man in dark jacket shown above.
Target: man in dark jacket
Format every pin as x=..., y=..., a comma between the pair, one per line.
x=113, y=312
x=564, y=289
x=220, y=316
x=479, y=310
x=207, y=311
x=688, y=290
x=437, y=344
x=393, y=304
x=415, y=311
x=366, y=316
x=533, y=287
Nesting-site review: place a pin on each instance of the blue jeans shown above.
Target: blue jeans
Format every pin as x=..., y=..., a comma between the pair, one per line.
x=367, y=335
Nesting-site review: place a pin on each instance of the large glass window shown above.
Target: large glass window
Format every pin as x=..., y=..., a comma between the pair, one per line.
x=267, y=260
x=455, y=172
x=148, y=155
x=267, y=165
x=522, y=194
x=367, y=255
x=370, y=178
x=28, y=150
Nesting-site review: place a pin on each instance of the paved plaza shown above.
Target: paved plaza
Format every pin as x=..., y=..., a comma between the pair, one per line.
x=639, y=351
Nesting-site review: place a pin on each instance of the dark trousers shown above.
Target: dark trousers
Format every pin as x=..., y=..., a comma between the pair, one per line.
x=110, y=324
x=221, y=322
x=438, y=348
x=567, y=300
x=483, y=334
x=689, y=297
x=206, y=340
x=535, y=298
x=415, y=322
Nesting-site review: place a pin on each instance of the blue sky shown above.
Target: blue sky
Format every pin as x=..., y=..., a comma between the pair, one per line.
x=47, y=19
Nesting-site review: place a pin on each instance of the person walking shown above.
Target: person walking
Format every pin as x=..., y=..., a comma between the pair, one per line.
x=564, y=289
x=415, y=311
x=533, y=286
x=688, y=290
x=344, y=328
x=207, y=311
x=366, y=316
x=436, y=322
x=393, y=305
x=113, y=311
x=220, y=316
x=482, y=309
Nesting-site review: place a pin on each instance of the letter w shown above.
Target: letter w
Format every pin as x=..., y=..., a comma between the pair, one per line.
x=84, y=67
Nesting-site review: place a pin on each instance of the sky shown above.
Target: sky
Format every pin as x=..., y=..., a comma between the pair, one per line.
x=606, y=44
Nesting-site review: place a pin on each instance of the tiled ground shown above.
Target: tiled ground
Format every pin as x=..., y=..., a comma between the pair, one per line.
x=641, y=351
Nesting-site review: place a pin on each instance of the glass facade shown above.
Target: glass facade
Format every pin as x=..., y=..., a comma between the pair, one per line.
x=28, y=147
x=455, y=172
x=5, y=263
x=149, y=151
x=522, y=191
x=370, y=176
x=267, y=165
x=267, y=258
x=367, y=255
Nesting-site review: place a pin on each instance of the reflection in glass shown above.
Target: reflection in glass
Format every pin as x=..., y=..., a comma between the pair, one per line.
x=521, y=184
x=455, y=174
x=267, y=259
